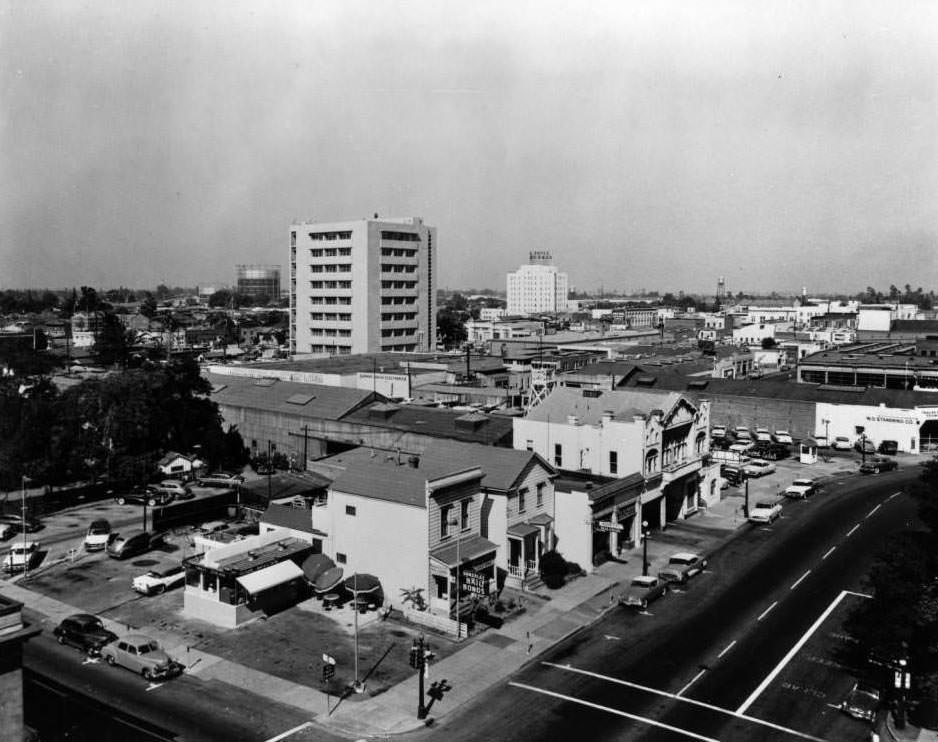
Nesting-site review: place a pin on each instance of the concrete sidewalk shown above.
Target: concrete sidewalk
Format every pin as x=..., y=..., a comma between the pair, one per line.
x=485, y=660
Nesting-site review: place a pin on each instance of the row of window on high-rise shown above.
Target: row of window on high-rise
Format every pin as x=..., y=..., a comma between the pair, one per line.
x=331, y=268
x=397, y=316
x=329, y=252
x=330, y=284
x=402, y=332
x=330, y=235
x=408, y=347
x=398, y=284
x=343, y=300
x=397, y=300
x=398, y=252
x=400, y=236
x=392, y=268
x=330, y=317
x=329, y=333
x=342, y=350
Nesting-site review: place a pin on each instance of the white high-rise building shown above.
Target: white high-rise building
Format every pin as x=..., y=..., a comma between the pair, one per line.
x=362, y=286
x=537, y=287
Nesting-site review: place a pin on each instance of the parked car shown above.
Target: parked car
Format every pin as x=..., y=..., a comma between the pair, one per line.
x=841, y=443
x=21, y=556
x=783, y=436
x=133, y=543
x=16, y=521
x=742, y=433
x=742, y=447
x=84, y=631
x=734, y=475
x=6, y=530
x=878, y=464
x=220, y=479
x=643, y=590
x=682, y=566
x=821, y=441
x=801, y=489
x=149, y=495
x=179, y=489
x=764, y=511
x=139, y=653
x=160, y=578
x=759, y=468
x=99, y=532
x=890, y=448
x=763, y=435
x=862, y=702
x=865, y=445
x=771, y=451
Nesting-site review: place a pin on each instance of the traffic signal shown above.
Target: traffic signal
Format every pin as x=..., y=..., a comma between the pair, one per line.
x=415, y=656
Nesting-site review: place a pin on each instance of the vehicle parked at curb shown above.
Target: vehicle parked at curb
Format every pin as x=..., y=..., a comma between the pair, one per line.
x=84, y=631
x=220, y=479
x=643, y=590
x=99, y=533
x=132, y=543
x=16, y=520
x=841, y=443
x=764, y=511
x=878, y=464
x=801, y=489
x=889, y=448
x=763, y=435
x=862, y=702
x=734, y=475
x=783, y=436
x=141, y=654
x=21, y=556
x=682, y=566
x=759, y=468
x=160, y=578
x=149, y=495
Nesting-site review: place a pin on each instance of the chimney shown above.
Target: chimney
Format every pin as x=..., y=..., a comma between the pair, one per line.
x=414, y=462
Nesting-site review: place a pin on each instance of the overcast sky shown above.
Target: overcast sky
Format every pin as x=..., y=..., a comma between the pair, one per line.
x=652, y=144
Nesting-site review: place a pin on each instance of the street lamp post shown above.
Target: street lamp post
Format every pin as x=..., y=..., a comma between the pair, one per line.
x=23, y=527
x=827, y=430
x=746, y=501
x=644, y=548
x=458, y=526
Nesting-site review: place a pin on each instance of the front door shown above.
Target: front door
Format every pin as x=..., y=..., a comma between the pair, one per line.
x=514, y=552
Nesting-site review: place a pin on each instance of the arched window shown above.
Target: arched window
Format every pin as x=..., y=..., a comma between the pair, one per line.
x=700, y=443
x=651, y=461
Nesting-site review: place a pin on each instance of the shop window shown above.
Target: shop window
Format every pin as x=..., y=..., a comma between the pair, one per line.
x=340, y=558
x=651, y=461
x=350, y=510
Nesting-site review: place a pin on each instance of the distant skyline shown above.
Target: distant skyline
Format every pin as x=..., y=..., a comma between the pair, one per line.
x=656, y=145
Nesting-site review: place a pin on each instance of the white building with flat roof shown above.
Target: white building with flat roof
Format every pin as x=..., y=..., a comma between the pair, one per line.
x=537, y=287
x=362, y=286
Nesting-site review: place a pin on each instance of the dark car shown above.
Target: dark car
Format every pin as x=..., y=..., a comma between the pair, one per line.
x=84, y=631
x=889, y=448
x=878, y=464
x=771, y=451
x=16, y=521
x=733, y=474
x=149, y=495
x=133, y=543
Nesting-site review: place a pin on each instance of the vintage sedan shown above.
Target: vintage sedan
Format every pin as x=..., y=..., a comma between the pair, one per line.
x=801, y=489
x=764, y=511
x=759, y=468
x=84, y=631
x=160, y=578
x=141, y=654
x=682, y=566
x=861, y=702
x=643, y=590
x=878, y=464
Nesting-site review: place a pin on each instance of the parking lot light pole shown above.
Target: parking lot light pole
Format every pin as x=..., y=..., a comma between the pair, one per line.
x=644, y=548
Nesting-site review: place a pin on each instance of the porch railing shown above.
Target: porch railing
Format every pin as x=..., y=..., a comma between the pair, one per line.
x=522, y=571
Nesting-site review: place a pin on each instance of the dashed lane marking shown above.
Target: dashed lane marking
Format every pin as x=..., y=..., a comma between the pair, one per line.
x=727, y=648
x=766, y=611
x=798, y=581
x=829, y=552
x=873, y=511
x=693, y=680
x=894, y=494
x=291, y=732
x=850, y=532
x=617, y=712
x=673, y=696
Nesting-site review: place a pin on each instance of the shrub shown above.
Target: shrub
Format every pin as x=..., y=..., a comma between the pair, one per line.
x=553, y=569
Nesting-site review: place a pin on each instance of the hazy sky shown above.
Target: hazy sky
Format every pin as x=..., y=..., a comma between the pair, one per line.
x=649, y=144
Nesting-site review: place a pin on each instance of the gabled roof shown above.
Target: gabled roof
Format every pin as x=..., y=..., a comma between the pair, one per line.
x=276, y=395
x=589, y=405
x=172, y=456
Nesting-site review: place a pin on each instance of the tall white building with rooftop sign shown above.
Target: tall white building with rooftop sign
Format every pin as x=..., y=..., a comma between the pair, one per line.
x=363, y=286
x=537, y=287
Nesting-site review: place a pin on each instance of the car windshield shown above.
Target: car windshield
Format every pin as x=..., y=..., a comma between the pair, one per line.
x=99, y=528
x=681, y=560
x=768, y=505
x=89, y=624
x=803, y=482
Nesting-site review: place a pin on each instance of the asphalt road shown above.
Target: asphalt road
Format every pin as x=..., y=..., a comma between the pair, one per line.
x=184, y=708
x=714, y=642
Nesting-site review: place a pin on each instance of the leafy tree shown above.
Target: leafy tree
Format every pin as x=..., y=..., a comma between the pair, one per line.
x=148, y=306
x=450, y=327
x=163, y=292
x=553, y=569
x=112, y=344
x=768, y=343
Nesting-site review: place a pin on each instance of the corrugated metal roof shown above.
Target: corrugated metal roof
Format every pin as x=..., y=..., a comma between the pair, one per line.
x=326, y=402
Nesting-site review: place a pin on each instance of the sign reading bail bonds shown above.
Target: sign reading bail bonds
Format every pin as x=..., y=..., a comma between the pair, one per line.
x=608, y=525
x=474, y=583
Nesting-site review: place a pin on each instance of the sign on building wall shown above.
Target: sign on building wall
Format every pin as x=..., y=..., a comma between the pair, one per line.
x=474, y=583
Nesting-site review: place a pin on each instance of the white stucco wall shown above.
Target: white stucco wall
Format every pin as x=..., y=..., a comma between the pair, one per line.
x=574, y=527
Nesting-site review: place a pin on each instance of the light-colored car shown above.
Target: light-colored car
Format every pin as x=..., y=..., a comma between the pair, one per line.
x=141, y=654
x=783, y=436
x=160, y=578
x=801, y=489
x=99, y=532
x=742, y=433
x=821, y=441
x=862, y=702
x=6, y=530
x=762, y=434
x=175, y=488
x=718, y=431
x=682, y=566
x=841, y=443
x=759, y=468
x=643, y=590
x=21, y=556
x=764, y=511
x=742, y=448
x=220, y=479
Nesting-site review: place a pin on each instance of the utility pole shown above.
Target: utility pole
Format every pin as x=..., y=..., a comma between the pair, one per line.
x=644, y=548
x=305, y=430
x=746, y=502
x=418, y=660
x=23, y=526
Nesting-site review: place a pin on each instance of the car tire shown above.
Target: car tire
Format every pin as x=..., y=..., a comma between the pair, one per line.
x=110, y=660
x=159, y=589
x=60, y=639
x=121, y=501
x=147, y=674
x=151, y=502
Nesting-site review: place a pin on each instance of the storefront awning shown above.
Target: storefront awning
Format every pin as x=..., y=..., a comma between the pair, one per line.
x=470, y=549
x=269, y=577
x=522, y=529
